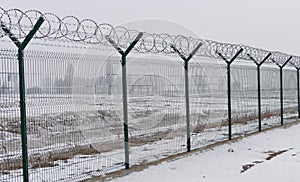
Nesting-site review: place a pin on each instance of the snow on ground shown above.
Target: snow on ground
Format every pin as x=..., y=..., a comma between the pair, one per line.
x=270, y=156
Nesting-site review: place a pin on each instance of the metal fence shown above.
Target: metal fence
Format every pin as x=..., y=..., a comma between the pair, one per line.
x=71, y=110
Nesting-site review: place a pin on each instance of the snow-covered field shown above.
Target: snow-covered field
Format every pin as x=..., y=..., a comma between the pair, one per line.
x=270, y=156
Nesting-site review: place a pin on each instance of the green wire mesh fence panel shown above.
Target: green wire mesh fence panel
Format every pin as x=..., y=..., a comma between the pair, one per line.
x=290, y=103
x=208, y=101
x=99, y=122
x=270, y=96
x=69, y=118
x=156, y=107
x=74, y=96
x=244, y=98
x=10, y=132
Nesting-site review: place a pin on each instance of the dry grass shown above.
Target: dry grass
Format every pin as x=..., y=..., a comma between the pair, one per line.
x=137, y=140
x=47, y=159
x=11, y=164
x=274, y=154
x=245, y=119
x=199, y=128
x=246, y=167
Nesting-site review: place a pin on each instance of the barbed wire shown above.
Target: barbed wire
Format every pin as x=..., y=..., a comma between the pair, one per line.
x=89, y=31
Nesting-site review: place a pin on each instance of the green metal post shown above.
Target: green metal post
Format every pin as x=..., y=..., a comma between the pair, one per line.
x=23, y=114
x=229, y=88
x=124, y=88
x=258, y=64
x=125, y=111
x=187, y=98
x=21, y=47
x=187, y=102
x=298, y=92
x=281, y=88
x=229, y=100
x=281, y=85
x=259, y=98
x=298, y=87
x=281, y=97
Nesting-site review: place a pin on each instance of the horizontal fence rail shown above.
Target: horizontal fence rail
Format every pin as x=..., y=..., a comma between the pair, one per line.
x=71, y=110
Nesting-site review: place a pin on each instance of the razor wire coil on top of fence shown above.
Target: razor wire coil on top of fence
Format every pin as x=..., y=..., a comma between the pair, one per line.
x=89, y=31
x=73, y=99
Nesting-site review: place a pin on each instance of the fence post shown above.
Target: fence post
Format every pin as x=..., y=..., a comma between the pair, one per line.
x=228, y=62
x=124, y=88
x=187, y=99
x=21, y=46
x=298, y=87
x=281, y=86
x=298, y=92
x=258, y=64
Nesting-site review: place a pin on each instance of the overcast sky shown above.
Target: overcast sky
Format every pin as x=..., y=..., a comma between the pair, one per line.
x=268, y=24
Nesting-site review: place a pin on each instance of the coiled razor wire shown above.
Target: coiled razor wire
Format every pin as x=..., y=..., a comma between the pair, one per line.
x=89, y=31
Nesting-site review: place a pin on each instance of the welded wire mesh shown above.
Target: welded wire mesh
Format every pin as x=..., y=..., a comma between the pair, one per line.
x=9, y=115
x=75, y=117
x=74, y=111
x=156, y=107
x=66, y=121
x=244, y=98
x=207, y=101
x=290, y=102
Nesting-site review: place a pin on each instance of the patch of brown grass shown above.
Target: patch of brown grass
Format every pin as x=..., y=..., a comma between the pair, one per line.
x=274, y=154
x=137, y=140
x=246, y=167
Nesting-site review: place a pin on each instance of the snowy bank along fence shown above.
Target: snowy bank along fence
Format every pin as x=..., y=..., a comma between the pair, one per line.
x=71, y=110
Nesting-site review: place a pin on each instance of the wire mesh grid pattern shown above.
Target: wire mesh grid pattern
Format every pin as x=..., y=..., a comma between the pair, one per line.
x=74, y=112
